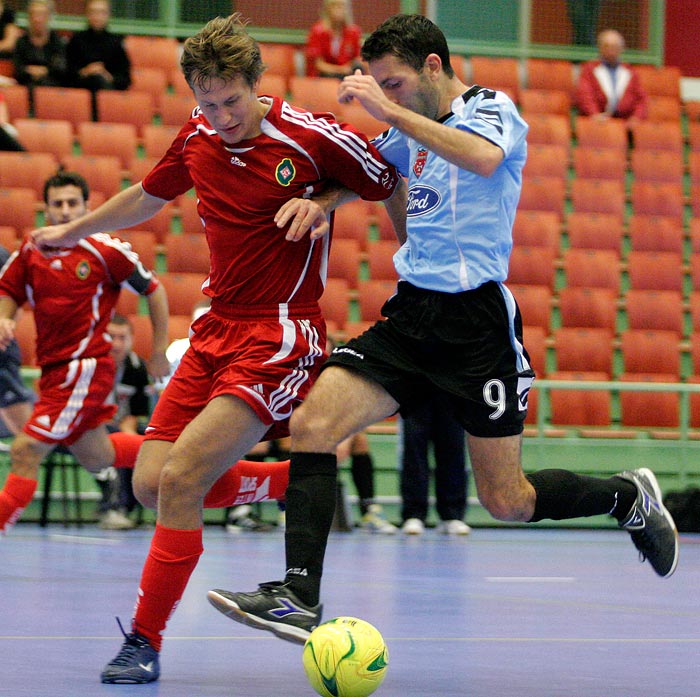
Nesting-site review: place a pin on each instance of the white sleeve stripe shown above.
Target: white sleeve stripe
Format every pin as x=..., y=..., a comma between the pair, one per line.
x=349, y=142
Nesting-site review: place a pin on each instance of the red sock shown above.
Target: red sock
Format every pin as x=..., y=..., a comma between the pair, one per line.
x=126, y=448
x=15, y=496
x=169, y=565
x=247, y=482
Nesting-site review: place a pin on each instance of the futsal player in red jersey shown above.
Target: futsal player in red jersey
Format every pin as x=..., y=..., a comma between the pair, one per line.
x=266, y=176
x=73, y=292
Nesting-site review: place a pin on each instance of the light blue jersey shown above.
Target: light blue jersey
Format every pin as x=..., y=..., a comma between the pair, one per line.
x=460, y=223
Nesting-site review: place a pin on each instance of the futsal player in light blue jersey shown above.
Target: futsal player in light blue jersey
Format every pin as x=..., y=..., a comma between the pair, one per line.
x=452, y=327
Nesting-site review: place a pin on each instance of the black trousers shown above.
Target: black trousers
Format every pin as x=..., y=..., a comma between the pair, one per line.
x=433, y=423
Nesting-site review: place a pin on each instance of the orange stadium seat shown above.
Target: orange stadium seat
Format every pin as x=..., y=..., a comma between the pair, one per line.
x=592, y=268
x=655, y=233
x=598, y=196
x=657, y=166
x=315, y=93
x=17, y=100
x=549, y=129
x=655, y=270
x=352, y=221
x=152, y=51
x=175, y=109
x=157, y=139
x=650, y=351
x=536, y=229
x=357, y=116
x=8, y=237
x=594, y=231
x=583, y=349
x=18, y=208
x=546, y=74
x=534, y=303
x=344, y=261
x=660, y=81
x=655, y=309
x=380, y=259
x=532, y=266
x=143, y=334
x=187, y=252
x=546, y=161
x=55, y=137
x=599, y=163
x=588, y=307
x=535, y=342
x=658, y=198
x=128, y=107
x=103, y=173
x=580, y=407
x=143, y=243
x=649, y=409
x=665, y=135
x=664, y=109
x=497, y=73
x=112, y=139
x=279, y=59
x=273, y=85
x=72, y=104
x=591, y=133
x=538, y=101
x=372, y=295
x=154, y=81
x=184, y=290
x=543, y=194
x=27, y=170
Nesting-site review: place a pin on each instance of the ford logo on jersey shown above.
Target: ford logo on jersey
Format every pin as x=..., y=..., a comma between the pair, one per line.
x=422, y=200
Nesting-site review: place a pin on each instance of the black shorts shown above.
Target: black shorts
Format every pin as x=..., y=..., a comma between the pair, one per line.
x=467, y=346
x=12, y=389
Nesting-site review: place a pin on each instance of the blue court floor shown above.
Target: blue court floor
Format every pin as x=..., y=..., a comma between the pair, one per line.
x=501, y=613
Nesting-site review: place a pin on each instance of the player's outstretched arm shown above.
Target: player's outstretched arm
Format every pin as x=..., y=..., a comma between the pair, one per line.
x=127, y=208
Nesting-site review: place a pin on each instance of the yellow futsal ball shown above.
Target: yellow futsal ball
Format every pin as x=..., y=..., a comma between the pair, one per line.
x=345, y=657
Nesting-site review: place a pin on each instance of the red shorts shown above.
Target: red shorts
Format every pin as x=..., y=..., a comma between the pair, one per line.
x=267, y=356
x=72, y=400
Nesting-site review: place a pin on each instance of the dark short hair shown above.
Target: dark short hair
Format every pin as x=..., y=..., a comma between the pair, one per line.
x=63, y=178
x=122, y=321
x=411, y=38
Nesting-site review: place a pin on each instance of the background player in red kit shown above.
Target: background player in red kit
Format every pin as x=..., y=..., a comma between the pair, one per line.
x=257, y=164
x=73, y=293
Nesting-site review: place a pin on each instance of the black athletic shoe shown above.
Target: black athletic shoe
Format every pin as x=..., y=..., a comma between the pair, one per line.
x=649, y=523
x=135, y=664
x=273, y=607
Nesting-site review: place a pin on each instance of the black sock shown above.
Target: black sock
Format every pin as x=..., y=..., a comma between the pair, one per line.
x=362, y=469
x=562, y=495
x=310, y=508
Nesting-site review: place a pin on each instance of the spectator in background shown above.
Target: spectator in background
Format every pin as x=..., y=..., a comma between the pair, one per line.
x=132, y=395
x=433, y=422
x=583, y=15
x=333, y=43
x=97, y=59
x=9, y=31
x=40, y=54
x=8, y=133
x=608, y=88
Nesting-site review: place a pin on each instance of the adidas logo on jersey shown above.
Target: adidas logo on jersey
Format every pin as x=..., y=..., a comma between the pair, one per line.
x=237, y=161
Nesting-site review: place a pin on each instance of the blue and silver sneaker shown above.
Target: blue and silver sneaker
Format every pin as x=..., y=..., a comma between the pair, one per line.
x=273, y=607
x=135, y=664
x=651, y=526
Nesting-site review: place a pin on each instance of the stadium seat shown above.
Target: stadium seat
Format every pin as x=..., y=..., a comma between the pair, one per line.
x=113, y=139
x=27, y=170
x=128, y=303
x=543, y=194
x=655, y=233
x=497, y=73
x=584, y=349
x=658, y=198
x=18, y=208
x=666, y=135
x=660, y=81
x=139, y=167
x=175, y=109
x=157, y=139
x=664, y=109
x=127, y=107
x=546, y=161
x=17, y=100
x=380, y=259
x=9, y=238
x=535, y=342
x=536, y=229
x=598, y=196
x=160, y=224
x=580, y=407
x=72, y=104
x=152, y=52
x=143, y=334
x=592, y=133
x=103, y=173
x=273, y=85
x=537, y=101
x=599, y=163
x=650, y=351
x=335, y=302
x=594, y=231
x=352, y=221
x=655, y=270
x=657, y=166
x=592, y=268
x=279, y=59
x=143, y=243
x=533, y=266
x=184, y=290
x=154, y=81
x=649, y=409
x=344, y=261
x=534, y=302
x=588, y=307
x=179, y=327
x=549, y=129
x=314, y=93
x=372, y=294
x=655, y=309
x=357, y=116
x=188, y=252
x=55, y=137
x=547, y=74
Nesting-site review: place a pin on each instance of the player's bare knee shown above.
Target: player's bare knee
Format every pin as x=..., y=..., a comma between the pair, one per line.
x=145, y=487
x=504, y=507
x=180, y=483
x=26, y=456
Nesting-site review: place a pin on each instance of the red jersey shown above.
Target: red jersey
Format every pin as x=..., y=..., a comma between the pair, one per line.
x=73, y=294
x=240, y=189
x=321, y=43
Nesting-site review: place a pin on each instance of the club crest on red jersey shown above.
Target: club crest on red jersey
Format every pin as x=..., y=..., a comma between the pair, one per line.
x=419, y=164
x=285, y=172
x=82, y=270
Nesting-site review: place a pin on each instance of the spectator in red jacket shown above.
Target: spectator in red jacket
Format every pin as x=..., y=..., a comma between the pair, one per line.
x=608, y=88
x=333, y=43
